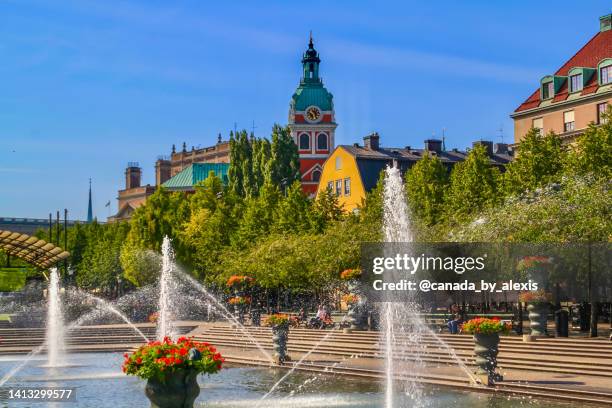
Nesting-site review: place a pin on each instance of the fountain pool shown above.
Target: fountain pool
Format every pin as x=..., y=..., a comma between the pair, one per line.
x=100, y=383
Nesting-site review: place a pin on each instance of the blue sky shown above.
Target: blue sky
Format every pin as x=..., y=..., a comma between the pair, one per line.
x=86, y=86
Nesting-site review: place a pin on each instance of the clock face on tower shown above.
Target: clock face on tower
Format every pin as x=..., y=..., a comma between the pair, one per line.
x=313, y=114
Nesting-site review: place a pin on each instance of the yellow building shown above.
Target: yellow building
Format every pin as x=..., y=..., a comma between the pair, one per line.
x=352, y=170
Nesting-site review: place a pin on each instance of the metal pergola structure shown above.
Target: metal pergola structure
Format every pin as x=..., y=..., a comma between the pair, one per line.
x=35, y=251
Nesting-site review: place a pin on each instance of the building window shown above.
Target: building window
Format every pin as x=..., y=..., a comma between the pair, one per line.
x=304, y=141
x=316, y=175
x=601, y=109
x=338, y=163
x=330, y=186
x=347, y=186
x=605, y=75
x=576, y=83
x=547, y=90
x=338, y=187
x=568, y=121
x=538, y=124
x=321, y=141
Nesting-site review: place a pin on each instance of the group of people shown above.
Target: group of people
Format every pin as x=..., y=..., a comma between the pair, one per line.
x=321, y=320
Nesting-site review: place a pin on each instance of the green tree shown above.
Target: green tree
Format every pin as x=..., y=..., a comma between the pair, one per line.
x=592, y=153
x=283, y=168
x=234, y=172
x=101, y=266
x=539, y=161
x=258, y=217
x=473, y=185
x=249, y=187
x=325, y=210
x=425, y=184
x=293, y=212
x=261, y=156
x=575, y=210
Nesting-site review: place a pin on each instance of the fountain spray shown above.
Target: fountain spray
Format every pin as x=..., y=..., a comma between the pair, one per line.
x=55, y=321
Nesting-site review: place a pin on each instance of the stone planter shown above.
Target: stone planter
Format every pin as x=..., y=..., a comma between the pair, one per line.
x=486, y=348
x=352, y=317
x=179, y=390
x=280, y=334
x=538, y=317
x=356, y=315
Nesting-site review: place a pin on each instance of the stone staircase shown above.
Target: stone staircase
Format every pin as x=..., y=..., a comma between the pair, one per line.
x=582, y=356
x=88, y=338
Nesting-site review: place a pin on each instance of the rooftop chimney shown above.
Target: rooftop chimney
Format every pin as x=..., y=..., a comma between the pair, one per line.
x=433, y=145
x=371, y=141
x=605, y=23
x=132, y=175
x=487, y=144
x=162, y=171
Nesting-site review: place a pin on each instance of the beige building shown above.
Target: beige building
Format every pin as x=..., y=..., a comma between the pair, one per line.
x=134, y=195
x=575, y=95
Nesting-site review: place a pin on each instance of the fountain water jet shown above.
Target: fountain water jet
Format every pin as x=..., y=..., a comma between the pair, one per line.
x=169, y=289
x=55, y=321
x=401, y=320
x=112, y=309
x=166, y=284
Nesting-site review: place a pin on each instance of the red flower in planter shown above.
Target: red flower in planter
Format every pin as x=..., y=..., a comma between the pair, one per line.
x=156, y=358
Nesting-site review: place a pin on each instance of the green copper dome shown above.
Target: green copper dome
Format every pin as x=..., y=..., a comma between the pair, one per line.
x=308, y=95
x=311, y=90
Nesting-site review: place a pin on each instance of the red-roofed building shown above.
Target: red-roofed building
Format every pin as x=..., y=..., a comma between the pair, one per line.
x=575, y=95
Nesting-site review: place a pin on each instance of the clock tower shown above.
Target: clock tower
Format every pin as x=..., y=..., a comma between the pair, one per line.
x=312, y=121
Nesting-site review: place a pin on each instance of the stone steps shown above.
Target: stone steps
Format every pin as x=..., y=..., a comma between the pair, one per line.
x=566, y=358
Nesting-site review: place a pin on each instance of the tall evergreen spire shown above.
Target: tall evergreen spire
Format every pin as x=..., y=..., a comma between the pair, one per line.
x=89, y=209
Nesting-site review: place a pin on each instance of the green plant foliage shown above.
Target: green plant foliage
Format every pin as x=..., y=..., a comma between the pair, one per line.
x=592, y=153
x=283, y=167
x=576, y=210
x=12, y=279
x=425, y=184
x=473, y=185
x=538, y=162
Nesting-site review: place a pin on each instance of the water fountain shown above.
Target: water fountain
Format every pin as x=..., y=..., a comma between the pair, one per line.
x=54, y=336
x=400, y=320
x=165, y=313
x=403, y=329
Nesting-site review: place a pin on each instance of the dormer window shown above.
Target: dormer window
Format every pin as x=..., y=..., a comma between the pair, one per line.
x=548, y=90
x=576, y=83
x=605, y=75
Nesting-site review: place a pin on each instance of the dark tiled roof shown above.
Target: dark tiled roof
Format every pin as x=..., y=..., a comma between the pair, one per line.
x=597, y=49
x=372, y=162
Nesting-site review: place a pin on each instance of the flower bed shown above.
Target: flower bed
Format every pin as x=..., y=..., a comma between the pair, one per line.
x=350, y=274
x=483, y=325
x=156, y=359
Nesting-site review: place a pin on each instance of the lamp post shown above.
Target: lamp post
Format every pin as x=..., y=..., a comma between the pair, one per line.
x=284, y=185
